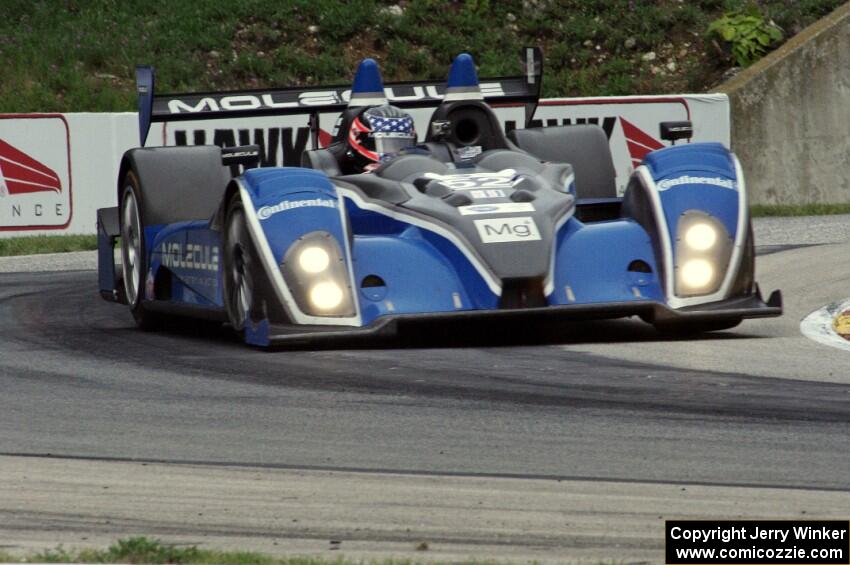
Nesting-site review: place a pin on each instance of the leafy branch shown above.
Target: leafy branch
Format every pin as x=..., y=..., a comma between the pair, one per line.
x=748, y=33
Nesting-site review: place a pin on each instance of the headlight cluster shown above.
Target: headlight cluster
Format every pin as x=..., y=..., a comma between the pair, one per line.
x=703, y=248
x=315, y=272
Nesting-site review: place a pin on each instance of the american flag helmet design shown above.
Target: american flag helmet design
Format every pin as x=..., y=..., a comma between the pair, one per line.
x=380, y=132
x=392, y=125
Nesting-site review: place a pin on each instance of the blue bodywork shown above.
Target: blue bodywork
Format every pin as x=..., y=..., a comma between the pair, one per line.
x=608, y=264
x=190, y=252
x=708, y=161
x=424, y=271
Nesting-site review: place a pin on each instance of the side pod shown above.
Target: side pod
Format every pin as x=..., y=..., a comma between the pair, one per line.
x=110, y=282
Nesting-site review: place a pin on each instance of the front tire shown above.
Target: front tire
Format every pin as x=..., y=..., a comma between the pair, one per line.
x=240, y=266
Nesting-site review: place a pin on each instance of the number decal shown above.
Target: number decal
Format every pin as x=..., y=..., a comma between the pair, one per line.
x=502, y=179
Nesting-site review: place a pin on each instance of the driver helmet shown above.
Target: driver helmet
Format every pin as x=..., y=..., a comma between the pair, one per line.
x=378, y=134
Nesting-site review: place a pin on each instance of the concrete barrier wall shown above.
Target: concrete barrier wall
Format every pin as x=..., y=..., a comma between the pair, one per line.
x=791, y=117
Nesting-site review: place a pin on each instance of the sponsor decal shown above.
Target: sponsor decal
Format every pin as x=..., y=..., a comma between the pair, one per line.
x=238, y=154
x=484, y=194
x=305, y=99
x=251, y=102
x=35, y=173
x=266, y=212
x=667, y=184
x=498, y=208
x=189, y=256
x=469, y=152
x=208, y=282
x=507, y=230
x=503, y=179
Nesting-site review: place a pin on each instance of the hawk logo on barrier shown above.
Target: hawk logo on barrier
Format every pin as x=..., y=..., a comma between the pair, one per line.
x=20, y=173
x=35, y=172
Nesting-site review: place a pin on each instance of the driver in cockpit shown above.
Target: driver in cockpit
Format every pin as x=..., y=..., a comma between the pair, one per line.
x=376, y=136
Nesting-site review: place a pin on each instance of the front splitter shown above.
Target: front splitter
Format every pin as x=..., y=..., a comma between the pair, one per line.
x=389, y=327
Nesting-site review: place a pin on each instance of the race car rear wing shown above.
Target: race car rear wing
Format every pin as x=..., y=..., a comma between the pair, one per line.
x=313, y=101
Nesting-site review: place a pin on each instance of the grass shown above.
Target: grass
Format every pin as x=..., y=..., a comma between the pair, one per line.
x=78, y=55
x=46, y=244
x=144, y=550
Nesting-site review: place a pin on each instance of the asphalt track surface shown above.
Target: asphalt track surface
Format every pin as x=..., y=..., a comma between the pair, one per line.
x=757, y=407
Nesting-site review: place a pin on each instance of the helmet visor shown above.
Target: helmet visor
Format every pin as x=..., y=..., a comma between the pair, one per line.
x=391, y=143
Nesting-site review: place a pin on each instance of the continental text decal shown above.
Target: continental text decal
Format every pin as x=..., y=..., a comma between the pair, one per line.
x=266, y=212
x=714, y=181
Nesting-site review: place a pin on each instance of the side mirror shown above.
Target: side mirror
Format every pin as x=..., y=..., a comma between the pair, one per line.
x=671, y=131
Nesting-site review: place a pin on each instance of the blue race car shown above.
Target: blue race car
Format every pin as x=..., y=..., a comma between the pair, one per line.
x=383, y=228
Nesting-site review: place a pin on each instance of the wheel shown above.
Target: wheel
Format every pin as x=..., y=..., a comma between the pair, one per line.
x=679, y=328
x=133, y=253
x=240, y=266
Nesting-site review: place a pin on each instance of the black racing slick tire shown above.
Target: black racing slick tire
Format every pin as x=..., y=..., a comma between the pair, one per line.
x=133, y=253
x=241, y=266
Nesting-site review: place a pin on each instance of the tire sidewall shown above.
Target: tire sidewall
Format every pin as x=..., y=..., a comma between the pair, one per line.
x=145, y=319
x=234, y=206
x=131, y=185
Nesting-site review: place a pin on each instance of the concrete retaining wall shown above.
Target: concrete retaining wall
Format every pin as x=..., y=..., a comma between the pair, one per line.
x=791, y=117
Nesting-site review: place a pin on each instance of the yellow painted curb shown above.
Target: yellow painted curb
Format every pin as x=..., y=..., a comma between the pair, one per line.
x=841, y=324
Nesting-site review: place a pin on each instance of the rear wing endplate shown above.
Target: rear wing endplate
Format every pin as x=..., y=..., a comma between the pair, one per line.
x=312, y=101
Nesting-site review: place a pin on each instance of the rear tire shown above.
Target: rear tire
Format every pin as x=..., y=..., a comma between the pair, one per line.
x=133, y=253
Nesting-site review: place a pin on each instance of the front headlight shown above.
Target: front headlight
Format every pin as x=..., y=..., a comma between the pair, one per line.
x=701, y=236
x=314, y=270
x=313, y=259
x=703, y=249
x=697, y=273
x=326, y=295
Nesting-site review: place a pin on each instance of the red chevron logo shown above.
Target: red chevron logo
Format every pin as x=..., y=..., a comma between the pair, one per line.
x=325, y=138
x=639, y=142
x=21, y=174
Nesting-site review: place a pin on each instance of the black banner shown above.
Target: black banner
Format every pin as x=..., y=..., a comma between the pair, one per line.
x=740, y=542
